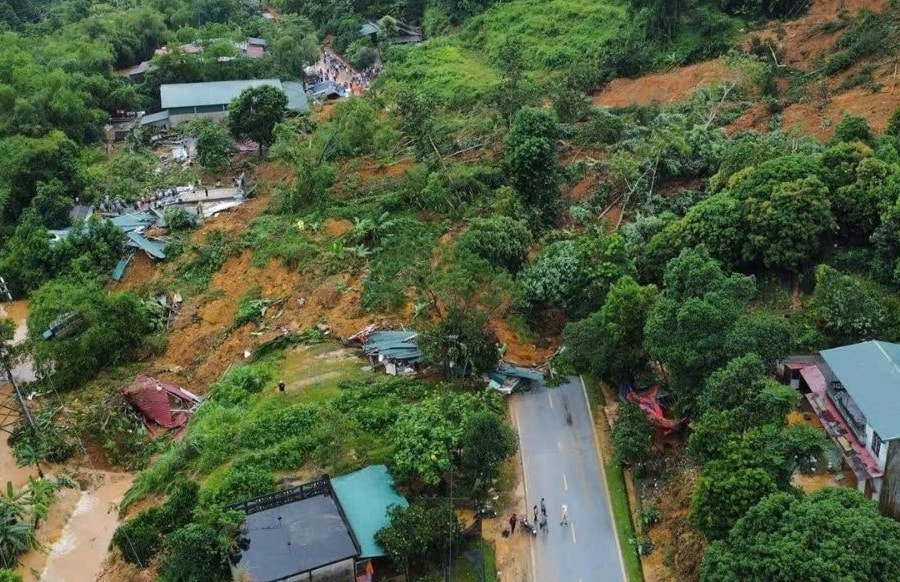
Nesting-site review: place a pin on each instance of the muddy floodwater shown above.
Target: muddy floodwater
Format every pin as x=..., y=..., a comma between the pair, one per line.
x=78, y=554
x=77, y=532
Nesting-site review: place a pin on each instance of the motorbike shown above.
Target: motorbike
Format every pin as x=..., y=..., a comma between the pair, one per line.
x=485, y=511
x=529, y=527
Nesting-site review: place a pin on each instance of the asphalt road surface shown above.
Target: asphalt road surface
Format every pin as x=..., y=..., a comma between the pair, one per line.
x=562, y=465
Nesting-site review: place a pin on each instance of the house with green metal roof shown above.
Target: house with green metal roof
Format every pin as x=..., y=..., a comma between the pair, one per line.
x=185, y=101
x=855, y=392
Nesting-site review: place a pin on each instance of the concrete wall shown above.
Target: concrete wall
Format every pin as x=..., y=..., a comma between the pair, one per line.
x=881, y=457
x=181, y=114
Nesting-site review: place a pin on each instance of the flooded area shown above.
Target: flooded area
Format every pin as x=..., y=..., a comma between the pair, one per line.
x=22, y=373
x=76, y=534
x=79, y=553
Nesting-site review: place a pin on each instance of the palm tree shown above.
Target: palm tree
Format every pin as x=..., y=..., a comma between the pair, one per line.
x=16, y=535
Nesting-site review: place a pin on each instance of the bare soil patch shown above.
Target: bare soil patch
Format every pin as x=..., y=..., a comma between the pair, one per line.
x=668, y=87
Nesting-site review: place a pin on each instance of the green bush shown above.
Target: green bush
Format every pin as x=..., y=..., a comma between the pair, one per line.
x=500, y=240
x=177, y=218
x=214, y=433
x=140, y=539
x=273, y=423
x=9, y=576
x=239, y=383
x=241, y=483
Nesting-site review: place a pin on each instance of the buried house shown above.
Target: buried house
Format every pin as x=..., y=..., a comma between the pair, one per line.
x=855, y=392
x=164, y=406
x=322, y=530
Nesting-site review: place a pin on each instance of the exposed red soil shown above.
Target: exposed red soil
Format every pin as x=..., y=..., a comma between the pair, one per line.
x=799, y=42
x=669, y=87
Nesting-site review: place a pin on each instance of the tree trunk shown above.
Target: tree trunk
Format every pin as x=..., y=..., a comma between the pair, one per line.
x=889, y=503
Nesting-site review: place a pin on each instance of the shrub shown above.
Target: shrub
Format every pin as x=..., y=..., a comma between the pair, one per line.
x=500, y=240
x=276, y=423
x=364, y=57
x=241, y=483
x=9, y=576
x=632, y=435
x=177, y=218
x=140, y=539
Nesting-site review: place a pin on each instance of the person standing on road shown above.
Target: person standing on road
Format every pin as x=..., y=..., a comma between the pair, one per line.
x=565, y=516
x=535, y=514
x=512, y=523
x=543, y=508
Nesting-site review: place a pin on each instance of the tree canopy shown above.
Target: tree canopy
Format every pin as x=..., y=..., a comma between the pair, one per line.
x=254, y=113
x=831, y=534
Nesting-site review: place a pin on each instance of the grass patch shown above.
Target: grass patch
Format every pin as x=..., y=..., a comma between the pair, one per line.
x=555, y=33
x=441, y=68
x=277, y=237
x=615, y=482
x=618, y=494
x=467, y=567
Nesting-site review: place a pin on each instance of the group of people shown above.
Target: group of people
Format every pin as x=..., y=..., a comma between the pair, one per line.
x=333, y=68
x=158, y=199
x=540, y=517
x=360, y=81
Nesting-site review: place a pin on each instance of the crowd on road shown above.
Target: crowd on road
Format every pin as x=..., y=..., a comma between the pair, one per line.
x=331, y=67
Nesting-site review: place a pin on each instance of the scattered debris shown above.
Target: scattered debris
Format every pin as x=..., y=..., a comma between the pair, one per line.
x=509, y=378
x=397, y=351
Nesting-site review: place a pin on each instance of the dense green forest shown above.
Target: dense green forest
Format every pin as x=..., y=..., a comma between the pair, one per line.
x=728, y=251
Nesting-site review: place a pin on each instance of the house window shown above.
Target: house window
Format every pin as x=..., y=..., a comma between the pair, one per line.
x=876, y=444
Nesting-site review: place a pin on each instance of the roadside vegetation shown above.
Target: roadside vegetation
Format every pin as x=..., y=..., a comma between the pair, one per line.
x=476, y=188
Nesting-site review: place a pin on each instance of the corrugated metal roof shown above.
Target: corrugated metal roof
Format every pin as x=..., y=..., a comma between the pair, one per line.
x=155, y=117
x=513, y=371
x=296, y=94
x=870, y=373
x=154, y=248
x=370, y=28
x=128, y=222
x=151, y=397
x=366, y=496
x=395, y=345
x=205, y=94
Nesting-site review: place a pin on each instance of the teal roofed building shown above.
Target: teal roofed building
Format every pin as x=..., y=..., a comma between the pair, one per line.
x=321, y=530
x=185, y=101
x=366, y=495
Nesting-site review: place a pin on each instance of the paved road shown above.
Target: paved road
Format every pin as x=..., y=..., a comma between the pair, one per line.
x=562, y=465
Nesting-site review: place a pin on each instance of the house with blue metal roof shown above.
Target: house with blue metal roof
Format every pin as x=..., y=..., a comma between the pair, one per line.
x=855, y=392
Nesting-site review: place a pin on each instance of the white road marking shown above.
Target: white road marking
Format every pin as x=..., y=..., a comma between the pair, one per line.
x=558, y=444
x=572, y=525
x=605, y=481
x=565, y=483
x=550, y=399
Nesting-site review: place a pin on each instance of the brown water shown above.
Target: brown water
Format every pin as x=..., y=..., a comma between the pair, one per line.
x=81, y=524
x=79, y=553
x=17, y=311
